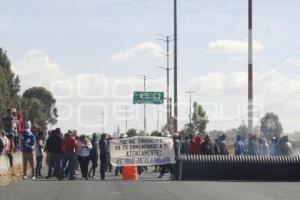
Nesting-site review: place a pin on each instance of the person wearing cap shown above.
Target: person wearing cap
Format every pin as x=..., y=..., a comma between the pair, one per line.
x=68, y=159
x=28, y=145
x=94, y=154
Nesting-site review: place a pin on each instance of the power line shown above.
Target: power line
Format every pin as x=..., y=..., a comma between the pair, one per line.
x=167, y=39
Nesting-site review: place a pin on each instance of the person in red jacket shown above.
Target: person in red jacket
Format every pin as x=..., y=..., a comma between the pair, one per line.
x=196, y=145
x=69, y=153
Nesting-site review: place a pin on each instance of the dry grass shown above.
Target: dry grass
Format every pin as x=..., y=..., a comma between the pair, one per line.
x=11, y=176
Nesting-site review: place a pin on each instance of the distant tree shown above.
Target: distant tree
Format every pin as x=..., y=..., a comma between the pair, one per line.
x=271, y=126
x=131, y=132
x=47, y=102
x=243, y=130
x=9, y=85
x=33, y=110
x=156, y=133
x=199, y=119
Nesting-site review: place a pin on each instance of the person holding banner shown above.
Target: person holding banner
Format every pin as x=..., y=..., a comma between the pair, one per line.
x=176, y=140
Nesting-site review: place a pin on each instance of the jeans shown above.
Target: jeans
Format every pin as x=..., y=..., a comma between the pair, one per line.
x=68, y=165
x=93, y=167
x=39, y=165
x=84, y=165
x=54, y=163
x=118, y=170
x=28, y=157
x=103, y=165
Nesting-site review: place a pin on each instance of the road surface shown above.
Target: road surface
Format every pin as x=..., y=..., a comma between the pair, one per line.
x=147, y=188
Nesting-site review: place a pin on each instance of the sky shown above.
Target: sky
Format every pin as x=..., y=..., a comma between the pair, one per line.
x=91, y=54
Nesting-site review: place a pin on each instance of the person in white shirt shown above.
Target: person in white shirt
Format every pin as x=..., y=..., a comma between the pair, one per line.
x=84, y=147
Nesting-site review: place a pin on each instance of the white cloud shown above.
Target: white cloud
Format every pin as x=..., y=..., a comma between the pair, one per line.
x=293, y=61
x=77, y=94
x=142, y=50
x=217, y=83
x=36, y=68
x=233, y=46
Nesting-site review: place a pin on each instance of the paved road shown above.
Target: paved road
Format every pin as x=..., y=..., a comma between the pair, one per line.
x=147, y=188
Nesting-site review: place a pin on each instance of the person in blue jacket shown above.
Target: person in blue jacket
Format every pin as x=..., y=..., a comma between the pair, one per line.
x=28, y=145
x=239, y=146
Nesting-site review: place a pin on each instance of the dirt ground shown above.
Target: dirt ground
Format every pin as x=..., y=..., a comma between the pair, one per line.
x=11, y=176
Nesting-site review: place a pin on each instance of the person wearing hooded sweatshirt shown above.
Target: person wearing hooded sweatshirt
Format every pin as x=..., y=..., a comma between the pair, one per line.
x=264, y=149
x=285, y=146
x=94, y=153
x=253, y=149
x=274, y=149
x=239, y=146
x=28, y=145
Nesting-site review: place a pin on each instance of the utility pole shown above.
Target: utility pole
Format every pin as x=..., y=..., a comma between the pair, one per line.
x=175, y=69
x=250, y=69
x=102, y=121
x=145, y=78
x=190, y=115
x=126, y=119
x=167, y=68
x=158, y=112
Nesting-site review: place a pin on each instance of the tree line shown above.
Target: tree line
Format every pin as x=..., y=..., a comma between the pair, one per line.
x=37, y=104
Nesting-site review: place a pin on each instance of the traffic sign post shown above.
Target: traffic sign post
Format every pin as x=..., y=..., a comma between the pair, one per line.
x=148, y=98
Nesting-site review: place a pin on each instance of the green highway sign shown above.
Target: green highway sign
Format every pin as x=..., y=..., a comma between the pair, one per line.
x=148, y=98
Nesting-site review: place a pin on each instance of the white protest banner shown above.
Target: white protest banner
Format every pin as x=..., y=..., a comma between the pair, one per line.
x=142, y=151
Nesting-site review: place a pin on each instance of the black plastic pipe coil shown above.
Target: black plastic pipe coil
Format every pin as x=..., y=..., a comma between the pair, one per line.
x=221, y=167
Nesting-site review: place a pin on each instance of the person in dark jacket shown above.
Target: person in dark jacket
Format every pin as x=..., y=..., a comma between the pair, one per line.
x=222, y=145
x=94, y=154
x=239, y=147
x=253, y=148
x=103, y=146
x=53, y=148
x=207, y=147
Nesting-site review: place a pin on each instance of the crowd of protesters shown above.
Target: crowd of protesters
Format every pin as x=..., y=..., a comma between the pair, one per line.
x=66, y=153
x=203, y=145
